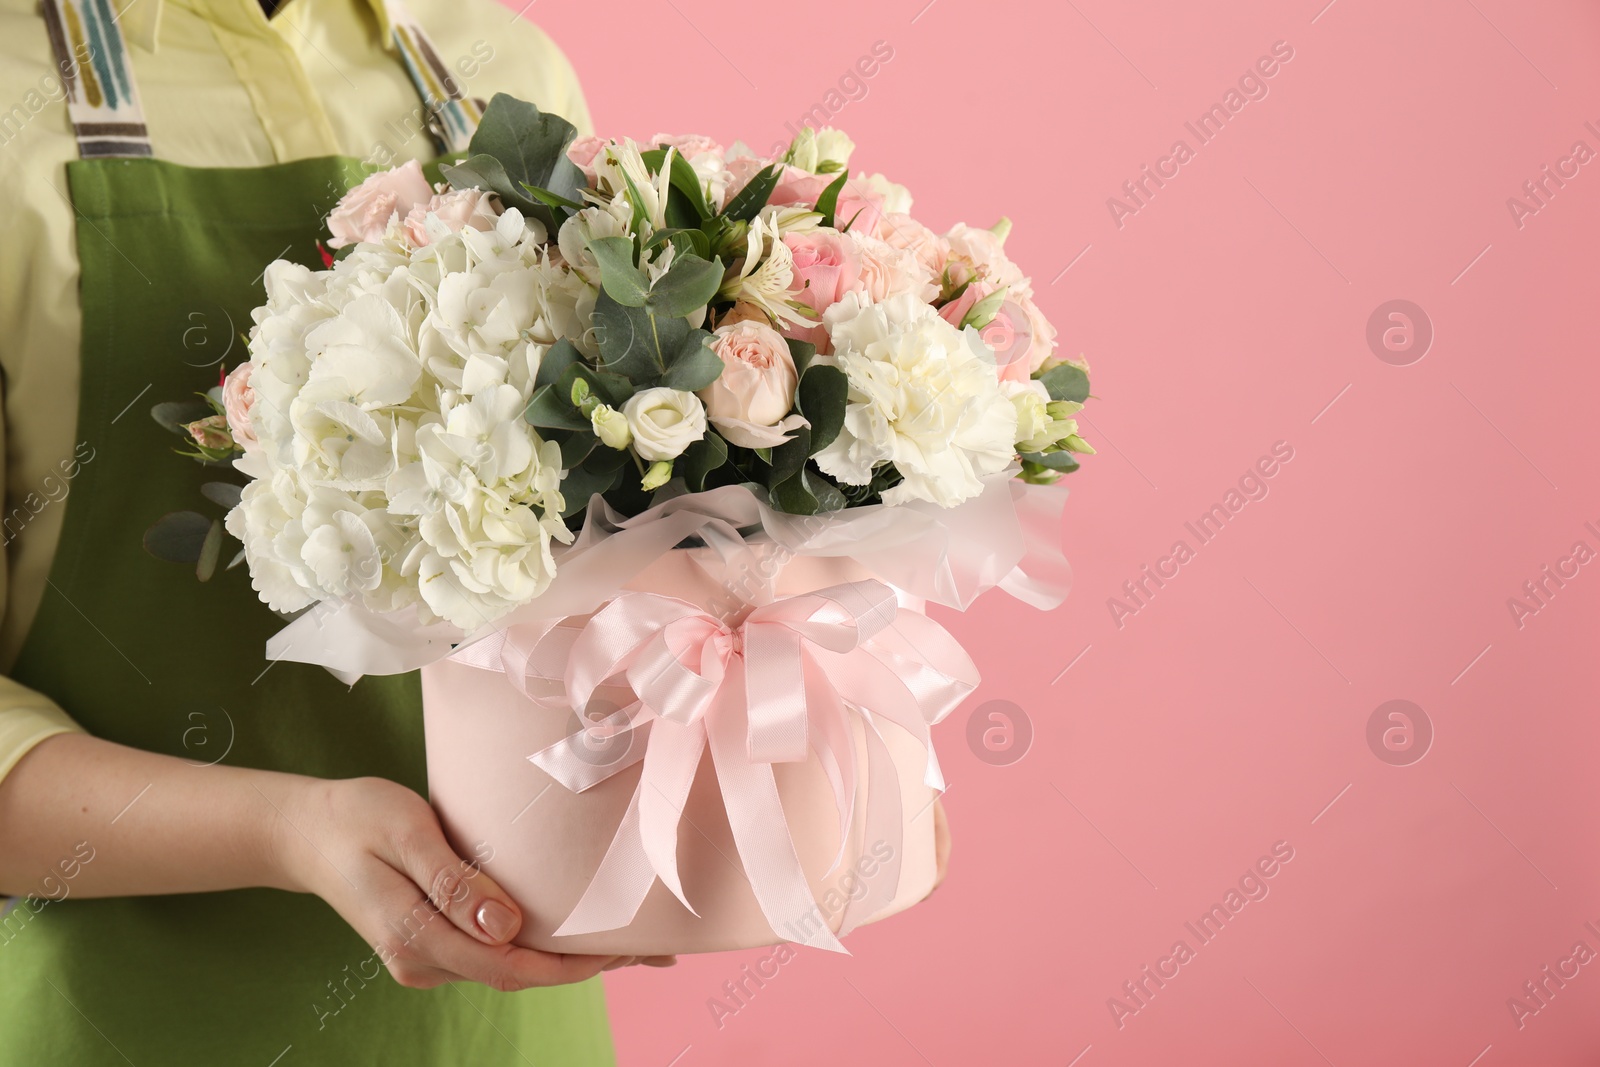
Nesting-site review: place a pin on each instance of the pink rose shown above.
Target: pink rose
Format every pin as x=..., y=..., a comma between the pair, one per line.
x=689, y=145
x=825, y=267
x=903, y=231
x=888, y=271
x=980, y=252
x=459, y=209
x=1019, y=335
x=210, y=432
x=583, y=152
x=238, y=400
x=749, y=402
x=363, y=214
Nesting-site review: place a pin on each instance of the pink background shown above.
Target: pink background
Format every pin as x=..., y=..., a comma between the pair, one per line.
x=1228, y=314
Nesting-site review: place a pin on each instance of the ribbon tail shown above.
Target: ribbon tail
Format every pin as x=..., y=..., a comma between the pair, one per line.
x=619, y=885
x=836, y=751
x=670, y=764
x=578, y=764
x=761, y=834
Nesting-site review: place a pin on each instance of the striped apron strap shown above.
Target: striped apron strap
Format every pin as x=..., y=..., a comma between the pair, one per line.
x=455, y=115
x=102, y=99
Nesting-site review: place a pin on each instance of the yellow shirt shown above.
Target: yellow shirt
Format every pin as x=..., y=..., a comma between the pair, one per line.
x=221, y=86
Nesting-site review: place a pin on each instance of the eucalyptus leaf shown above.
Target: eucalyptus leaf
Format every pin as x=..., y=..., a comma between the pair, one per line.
x=484, y=171
x=699, y=460
x=531, y=147
x=556, y=360
x=823, y=394
x=802, y=352
x=575, y=447
x=223, y=494
x=176, y=414
x=626, y=283
x=210, y=552
x=583, y=482
x=688, y=285
x=789, y=458
x=694, y=366
x=1066, y=382
x=550, y=409
x=178, y=536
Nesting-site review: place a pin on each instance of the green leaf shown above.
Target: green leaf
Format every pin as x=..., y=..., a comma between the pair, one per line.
x=688, y=285
x=822, y=396
x=560, y=356
x=223, y=494
x=550, y=409
x=483, y=171
x=687, y=182
x=807, y=493
x=210, y=551
x=681, y=236
x=699, y=460
x=694, y=365
x=578, y=485
x=178, y=536
x=749, y=201
x=545, y=196
x=626, y=283
x=828, y=201
x=789, y=458
x=1057, y=461
x=1066, y=382
x=635, y=343
x=176, y=414
x=576, y=447
x=531, y=148
x=802, y=352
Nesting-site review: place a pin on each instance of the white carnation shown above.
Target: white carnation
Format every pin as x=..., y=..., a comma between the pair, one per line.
x=923, y=396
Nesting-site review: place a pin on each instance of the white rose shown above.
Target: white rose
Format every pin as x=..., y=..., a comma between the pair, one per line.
x=664, y=422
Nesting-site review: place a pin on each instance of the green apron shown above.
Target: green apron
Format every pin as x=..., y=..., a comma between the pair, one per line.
x=140, y=652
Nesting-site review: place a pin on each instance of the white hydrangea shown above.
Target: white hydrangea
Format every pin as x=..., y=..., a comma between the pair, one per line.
x=395, y=467
x=923, y=395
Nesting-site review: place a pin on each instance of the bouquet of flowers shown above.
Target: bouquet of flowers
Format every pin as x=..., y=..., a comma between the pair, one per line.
x=522, y=388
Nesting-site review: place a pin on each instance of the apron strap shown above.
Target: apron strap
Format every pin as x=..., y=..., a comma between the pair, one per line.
x=454, y=114
x=102, y=99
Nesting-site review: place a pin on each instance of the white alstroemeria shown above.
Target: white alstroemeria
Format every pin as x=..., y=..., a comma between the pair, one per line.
x=765, y=277
x=923, y=396
x=619, y=164
x=790, y=218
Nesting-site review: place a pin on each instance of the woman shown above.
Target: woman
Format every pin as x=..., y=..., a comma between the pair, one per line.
x=173, y=805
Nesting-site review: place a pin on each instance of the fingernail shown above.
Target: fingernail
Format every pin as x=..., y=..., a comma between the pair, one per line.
x=496, y=920
x=620, y=961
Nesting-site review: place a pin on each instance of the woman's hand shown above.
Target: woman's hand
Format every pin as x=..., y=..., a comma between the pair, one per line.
x=374, y=850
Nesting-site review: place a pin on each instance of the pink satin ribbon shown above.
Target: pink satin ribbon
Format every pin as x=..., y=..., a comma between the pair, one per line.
x=793, y=677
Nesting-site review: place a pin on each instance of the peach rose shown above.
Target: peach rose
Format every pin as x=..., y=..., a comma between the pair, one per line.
x=749, y=402
x=459, y=209
x=238, y=399
x=364, y=213
x=980, y=252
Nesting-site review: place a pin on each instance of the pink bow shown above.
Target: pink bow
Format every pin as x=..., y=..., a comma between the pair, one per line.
x=785, y=681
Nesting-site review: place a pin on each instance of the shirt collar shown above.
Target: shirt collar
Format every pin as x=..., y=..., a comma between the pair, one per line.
x=141, y=20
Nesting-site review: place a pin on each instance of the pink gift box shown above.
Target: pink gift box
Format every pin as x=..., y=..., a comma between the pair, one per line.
x=543, y=842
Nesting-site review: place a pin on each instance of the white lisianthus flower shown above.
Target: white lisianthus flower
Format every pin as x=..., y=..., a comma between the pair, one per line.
x=896, y=197
x=923, y=396
x=611, y=426
x=1034, y=423
x=664, y=422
